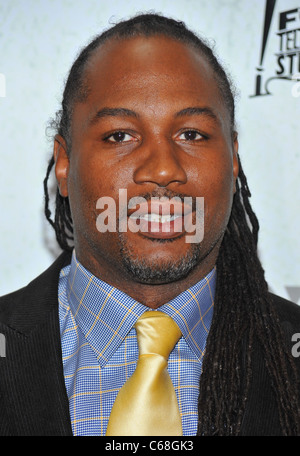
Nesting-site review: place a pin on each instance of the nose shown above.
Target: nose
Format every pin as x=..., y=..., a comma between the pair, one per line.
x=160, y=165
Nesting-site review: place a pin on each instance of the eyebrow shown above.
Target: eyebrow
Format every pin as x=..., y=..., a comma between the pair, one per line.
x=113, y=112
x=197, y=111
x=124, y=112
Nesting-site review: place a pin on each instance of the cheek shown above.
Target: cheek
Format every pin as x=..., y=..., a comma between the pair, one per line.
x=84, y=188
x=89, y=180
x=218, y=190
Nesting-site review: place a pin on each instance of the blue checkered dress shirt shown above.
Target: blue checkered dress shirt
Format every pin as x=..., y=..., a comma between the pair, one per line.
x=99, y=345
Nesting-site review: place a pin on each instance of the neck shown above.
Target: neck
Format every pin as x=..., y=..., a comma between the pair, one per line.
x=148, y=294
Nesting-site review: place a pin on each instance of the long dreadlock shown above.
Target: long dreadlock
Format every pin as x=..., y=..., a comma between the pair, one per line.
x=243, y=306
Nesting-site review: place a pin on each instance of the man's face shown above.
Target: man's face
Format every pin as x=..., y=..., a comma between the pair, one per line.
x=153, y=124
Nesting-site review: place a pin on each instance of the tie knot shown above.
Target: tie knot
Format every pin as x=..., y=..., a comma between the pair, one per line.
x=156, y=333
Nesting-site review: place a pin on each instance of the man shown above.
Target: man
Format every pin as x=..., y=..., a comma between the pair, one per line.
x=148, y=112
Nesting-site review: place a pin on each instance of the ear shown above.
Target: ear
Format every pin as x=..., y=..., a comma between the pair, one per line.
x=235, y=160
x=62, y=163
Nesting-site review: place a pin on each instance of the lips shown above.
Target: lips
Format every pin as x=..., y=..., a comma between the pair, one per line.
x=161, y=219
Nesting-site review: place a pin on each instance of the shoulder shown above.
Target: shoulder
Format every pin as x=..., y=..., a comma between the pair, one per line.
x=287, y=311
x=289, y=319
x=27, y=303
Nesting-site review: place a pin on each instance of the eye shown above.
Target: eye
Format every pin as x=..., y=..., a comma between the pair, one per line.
x=119, y=137
x=191, y=135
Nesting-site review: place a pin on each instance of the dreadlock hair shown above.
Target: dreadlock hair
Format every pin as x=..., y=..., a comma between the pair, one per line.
x=243, y=308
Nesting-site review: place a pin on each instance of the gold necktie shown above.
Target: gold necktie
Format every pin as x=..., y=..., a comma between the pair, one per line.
x=147, y=405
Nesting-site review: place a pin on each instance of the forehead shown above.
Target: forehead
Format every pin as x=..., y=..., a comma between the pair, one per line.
x=160, y=54
x=157, y=71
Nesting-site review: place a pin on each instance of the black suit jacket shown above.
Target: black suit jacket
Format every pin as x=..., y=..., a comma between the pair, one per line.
x=33, y=398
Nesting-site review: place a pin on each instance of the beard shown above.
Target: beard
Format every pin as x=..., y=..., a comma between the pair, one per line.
x=152, y=272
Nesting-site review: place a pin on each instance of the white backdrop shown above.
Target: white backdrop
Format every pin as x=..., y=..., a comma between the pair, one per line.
x=39, y=40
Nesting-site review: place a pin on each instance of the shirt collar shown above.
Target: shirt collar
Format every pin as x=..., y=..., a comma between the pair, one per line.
x=192, y=310
x=106, y=314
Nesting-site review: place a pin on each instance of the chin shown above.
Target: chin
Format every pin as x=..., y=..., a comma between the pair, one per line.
x=160, y=271
x=152, y=270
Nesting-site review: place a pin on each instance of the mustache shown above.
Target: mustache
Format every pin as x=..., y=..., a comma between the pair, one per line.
x=167, y=194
